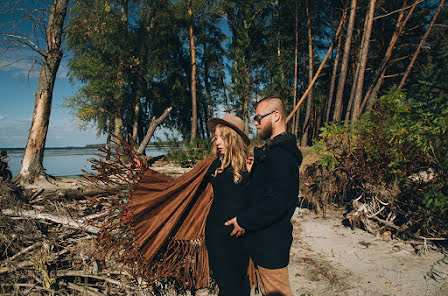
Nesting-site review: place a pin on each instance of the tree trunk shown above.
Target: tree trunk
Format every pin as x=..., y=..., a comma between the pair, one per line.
x=352, y=93
x=379, y=77
x=333, y=77
x=306, y=122
x=322, y=64
x=356, y=110
x=417, y=52
x=136, y=117
x=152, y=127
x=118, y=112
x=338, y=106
x=206, y=80
x=296, y=56
x=194, y=112
x=32, y=168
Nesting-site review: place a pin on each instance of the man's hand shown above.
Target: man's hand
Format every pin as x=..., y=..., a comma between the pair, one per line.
x=237, y=230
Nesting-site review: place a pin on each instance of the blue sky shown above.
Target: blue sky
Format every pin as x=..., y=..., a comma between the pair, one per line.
x=18, y=84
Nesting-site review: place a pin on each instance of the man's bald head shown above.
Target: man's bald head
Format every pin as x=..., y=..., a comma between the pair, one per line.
x=274, y=103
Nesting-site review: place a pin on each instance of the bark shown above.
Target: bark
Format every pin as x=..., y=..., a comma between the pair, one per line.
x=135, y=126
x=356, y=112
x=337, y=115
x=118, y=113
x=352, y=93
x=379, y=75
x=65, y=220
x=296, y=54
x=224, y=87
x=32, y=169
x=333, y=77
x=279, y=46
x=417, y=51
x=206, y=78
x=194, y=112
x=152, y=127
x=306, y=122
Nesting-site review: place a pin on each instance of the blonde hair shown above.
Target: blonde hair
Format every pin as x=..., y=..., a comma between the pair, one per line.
x=235, y=154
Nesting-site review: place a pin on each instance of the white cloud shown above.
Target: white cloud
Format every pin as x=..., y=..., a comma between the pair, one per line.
x=27, y=66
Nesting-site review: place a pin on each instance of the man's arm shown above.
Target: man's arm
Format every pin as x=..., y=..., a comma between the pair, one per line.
x=276, y=200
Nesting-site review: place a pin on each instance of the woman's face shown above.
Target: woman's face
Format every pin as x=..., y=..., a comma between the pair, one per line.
x=220, y=145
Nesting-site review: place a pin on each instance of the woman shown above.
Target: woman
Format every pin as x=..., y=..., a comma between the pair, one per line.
x=229, y=178
x=172, y=228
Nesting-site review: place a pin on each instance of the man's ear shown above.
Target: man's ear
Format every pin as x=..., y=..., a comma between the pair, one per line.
x=277, y=116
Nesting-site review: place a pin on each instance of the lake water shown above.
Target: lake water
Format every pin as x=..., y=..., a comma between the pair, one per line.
x=66, y=161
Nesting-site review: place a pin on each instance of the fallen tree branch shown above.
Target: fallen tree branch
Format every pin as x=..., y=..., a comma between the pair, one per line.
x=37, y=244
x=152, y=127
x=387, y=223
x=83, y=289
x=73, y=223
x=16, y=266
x=81, y=273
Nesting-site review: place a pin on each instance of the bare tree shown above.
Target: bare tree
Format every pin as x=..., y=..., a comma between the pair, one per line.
x=363, y=62
x=419, y=47
x=194, y=114
x=337, y=115
x=379, y=75
x=32, y=168
x=296, y=54
x=306, y=122
x=333, y=76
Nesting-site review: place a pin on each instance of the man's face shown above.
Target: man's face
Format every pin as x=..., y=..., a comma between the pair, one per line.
x=263, y=125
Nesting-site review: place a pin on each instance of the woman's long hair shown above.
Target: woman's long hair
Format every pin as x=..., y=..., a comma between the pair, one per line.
x=235, y=154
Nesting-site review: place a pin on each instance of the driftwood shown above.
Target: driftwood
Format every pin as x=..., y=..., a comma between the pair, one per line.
x=366, y=213
x=152, y=127
x=65, y=220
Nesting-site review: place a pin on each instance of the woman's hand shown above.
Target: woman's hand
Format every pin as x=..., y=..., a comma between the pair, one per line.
x=136, y=164
x=249, y=163
x=237, y=230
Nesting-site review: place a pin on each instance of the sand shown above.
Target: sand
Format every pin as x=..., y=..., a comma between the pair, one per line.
x=328, y=258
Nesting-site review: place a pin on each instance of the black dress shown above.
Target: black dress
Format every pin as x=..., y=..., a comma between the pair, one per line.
x=227, y=256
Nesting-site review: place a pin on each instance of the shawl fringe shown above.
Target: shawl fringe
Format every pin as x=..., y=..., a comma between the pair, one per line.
x=151, y=222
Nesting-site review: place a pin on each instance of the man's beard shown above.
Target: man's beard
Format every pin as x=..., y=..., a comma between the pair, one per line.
x=265, y=134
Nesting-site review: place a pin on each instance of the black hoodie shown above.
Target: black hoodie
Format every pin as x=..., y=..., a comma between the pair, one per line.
x=274, y=188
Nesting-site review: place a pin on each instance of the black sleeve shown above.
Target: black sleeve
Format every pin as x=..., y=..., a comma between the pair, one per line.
x=278, y=188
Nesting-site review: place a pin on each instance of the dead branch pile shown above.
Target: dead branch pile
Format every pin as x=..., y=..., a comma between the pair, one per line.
x=5, y=172
x=373, y=204
x=41, y=253
x=49, y=245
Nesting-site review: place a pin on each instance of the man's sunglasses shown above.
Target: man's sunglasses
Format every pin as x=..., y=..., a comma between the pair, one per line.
x=258, y=118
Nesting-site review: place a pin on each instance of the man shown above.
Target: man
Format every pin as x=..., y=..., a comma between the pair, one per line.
x=274, y=188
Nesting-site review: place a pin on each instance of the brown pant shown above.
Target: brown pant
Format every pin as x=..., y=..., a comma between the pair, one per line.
x=274, y=282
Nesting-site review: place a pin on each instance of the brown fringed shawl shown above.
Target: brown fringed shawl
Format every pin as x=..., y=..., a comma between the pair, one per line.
x=171, y=213
x=153, y=223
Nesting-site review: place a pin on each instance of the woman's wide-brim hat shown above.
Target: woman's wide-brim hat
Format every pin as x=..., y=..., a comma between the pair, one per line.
x=232, y=121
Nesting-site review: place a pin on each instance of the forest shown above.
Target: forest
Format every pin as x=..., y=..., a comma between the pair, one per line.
x=365, y=83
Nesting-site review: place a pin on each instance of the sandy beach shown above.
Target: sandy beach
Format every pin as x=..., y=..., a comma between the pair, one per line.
x=328, y=258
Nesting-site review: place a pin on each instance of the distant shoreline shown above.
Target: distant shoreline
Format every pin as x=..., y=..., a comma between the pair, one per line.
x=79, y=148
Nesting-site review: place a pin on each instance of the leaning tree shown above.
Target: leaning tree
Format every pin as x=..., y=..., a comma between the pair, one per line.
x=50, y=54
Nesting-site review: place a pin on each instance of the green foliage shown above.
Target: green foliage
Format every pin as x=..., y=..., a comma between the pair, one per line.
x=41, y=262
x=191, y=154
x=333, y=138
x=435, y=201
x=399, y=137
